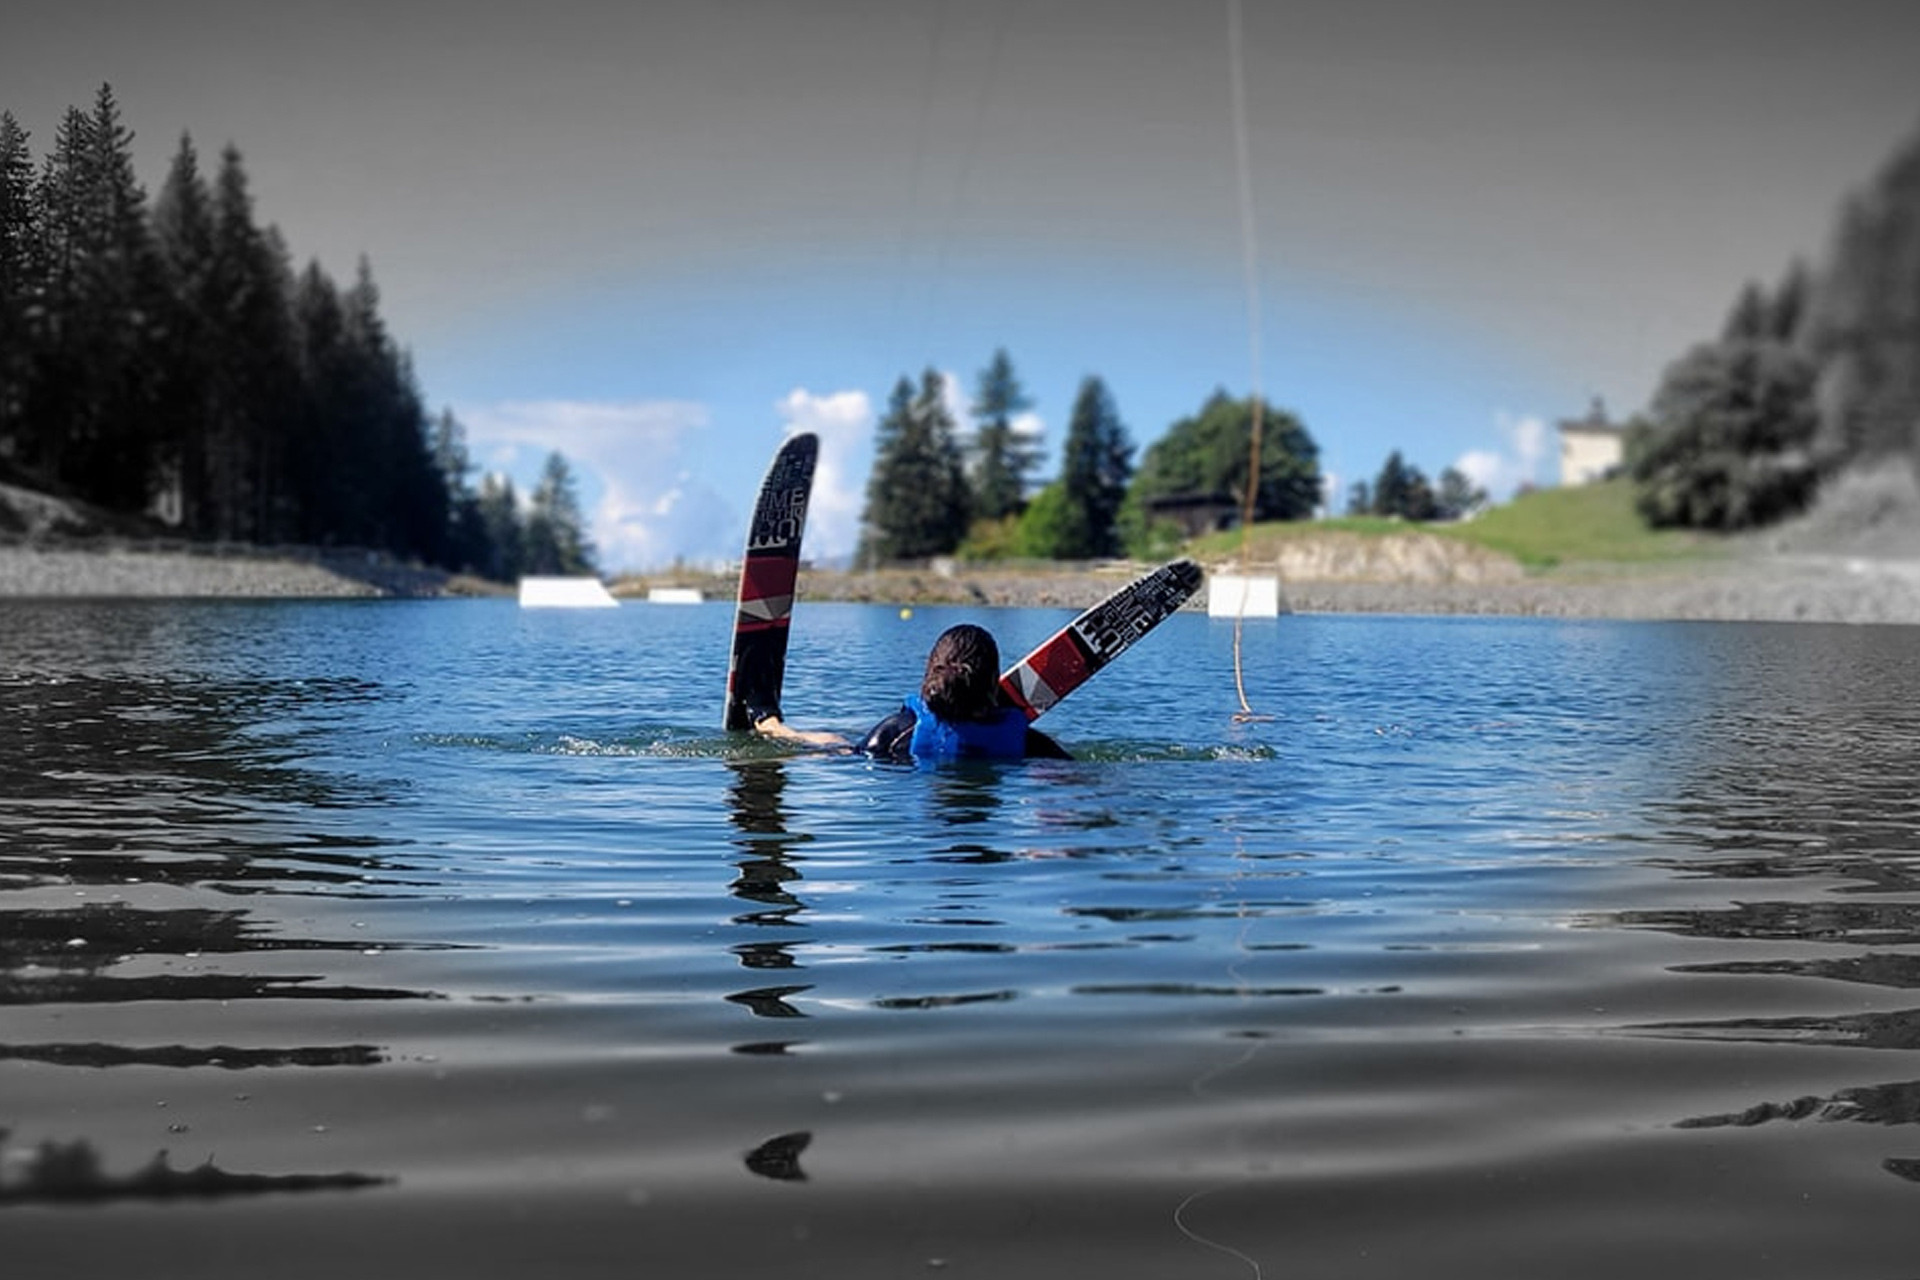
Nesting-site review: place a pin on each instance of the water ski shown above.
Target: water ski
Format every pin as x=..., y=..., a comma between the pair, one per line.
x=758, y=663
x=1067, y=658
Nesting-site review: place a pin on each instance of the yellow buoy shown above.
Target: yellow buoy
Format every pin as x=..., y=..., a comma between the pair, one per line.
x=905, y=614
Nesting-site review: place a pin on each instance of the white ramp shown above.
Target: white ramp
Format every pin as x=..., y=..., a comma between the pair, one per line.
x=673, y=595
x=1233, y=596
x=565, y=593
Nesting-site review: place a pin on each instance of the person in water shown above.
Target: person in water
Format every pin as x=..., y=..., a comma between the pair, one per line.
x=958, y=712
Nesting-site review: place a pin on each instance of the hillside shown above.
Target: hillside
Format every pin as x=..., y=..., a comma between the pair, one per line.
x=1565, y=529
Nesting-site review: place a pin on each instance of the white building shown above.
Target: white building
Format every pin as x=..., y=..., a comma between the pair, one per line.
x=1591, y=447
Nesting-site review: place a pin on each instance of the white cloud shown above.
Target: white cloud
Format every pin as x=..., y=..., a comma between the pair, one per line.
x=646, y=508
x=844, y=422
x=1501, y=471
x=955, y=399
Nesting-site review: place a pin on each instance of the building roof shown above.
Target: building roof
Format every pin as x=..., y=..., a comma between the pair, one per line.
x=1595, y=423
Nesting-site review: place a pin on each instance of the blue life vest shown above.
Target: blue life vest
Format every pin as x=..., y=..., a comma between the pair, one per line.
x=1004, y=734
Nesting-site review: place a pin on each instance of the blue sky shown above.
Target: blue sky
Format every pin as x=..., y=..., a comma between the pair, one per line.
x=659, y=236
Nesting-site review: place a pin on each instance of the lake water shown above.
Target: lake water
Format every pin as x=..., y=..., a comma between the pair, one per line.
x=445, y=939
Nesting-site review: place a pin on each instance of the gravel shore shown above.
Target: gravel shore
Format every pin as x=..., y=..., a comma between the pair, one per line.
x=1798, y=588
x=1784, y=589
x=119, y=572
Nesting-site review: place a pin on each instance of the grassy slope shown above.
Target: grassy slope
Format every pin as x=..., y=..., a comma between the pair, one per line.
x=1590, y=525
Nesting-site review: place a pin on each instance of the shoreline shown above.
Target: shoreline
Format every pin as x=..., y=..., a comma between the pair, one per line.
x=121, y=571
x=1750, y=587
x=1785, y=588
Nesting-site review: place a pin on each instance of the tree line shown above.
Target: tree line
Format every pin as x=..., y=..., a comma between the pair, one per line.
x=1808, y=378
x=938, y=489
x=933, y=492
x=1402, y=491
x=167, y=360
x=164, y=360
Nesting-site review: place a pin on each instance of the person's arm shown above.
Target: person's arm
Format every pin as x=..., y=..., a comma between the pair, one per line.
x=1041, y=747
x=771, y=725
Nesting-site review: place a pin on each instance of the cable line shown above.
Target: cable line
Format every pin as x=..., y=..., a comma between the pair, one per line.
x=1250, y=269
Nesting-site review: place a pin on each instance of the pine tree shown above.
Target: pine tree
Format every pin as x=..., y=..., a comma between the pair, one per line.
x=19, y=236
x=183, y=236
x=1421, y=502
x=1390, y=486
x=423, y=511
x=365, y=427
x=171, y=355
x=466, y=529
x=363, y=423
x=882, y=511
x=1458, y=496
x=257, y=366
x=321, y=480
x=88, y=411
x=18, y=221
x=122, y=298
x=53, y=403
x=1096, y=464
x=917, y=499
x=499, y=511
x=1726, y=444
x=950, y=504
x=1402, y=491
x=1864, y=322
x=1002, y=456
x=556, y=538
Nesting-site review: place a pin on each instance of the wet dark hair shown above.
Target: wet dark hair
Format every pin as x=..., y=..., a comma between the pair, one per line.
x=963, y=674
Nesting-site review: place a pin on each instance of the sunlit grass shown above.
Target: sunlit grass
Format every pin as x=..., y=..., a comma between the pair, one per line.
x=1586, y=524
x=1593, y=525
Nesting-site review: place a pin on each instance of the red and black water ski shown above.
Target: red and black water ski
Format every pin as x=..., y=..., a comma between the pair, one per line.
x=1098, y=636
x=758, y=663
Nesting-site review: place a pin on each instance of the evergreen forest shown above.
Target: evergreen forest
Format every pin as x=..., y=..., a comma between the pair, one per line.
x=937, y=489
x=1807, y=378
x=164, y=361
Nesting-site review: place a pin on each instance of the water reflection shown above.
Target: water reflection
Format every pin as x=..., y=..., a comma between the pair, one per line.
x=70, y=955
x=56, y=1172
x=766, y=867
x=1870, y=1104
x=1858, y=923
x=1898, y=1029
x=1884, y=1104
x=147, y=785
x=1790, y=790
x=1875, y=969
x=945, y=1001
x=770, y=1002
x=779, y=1158
x=182, y=780
x=223, y=1057
x=1191, y=989
x=966, y=793
x=767, y=875
x=767, y=872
